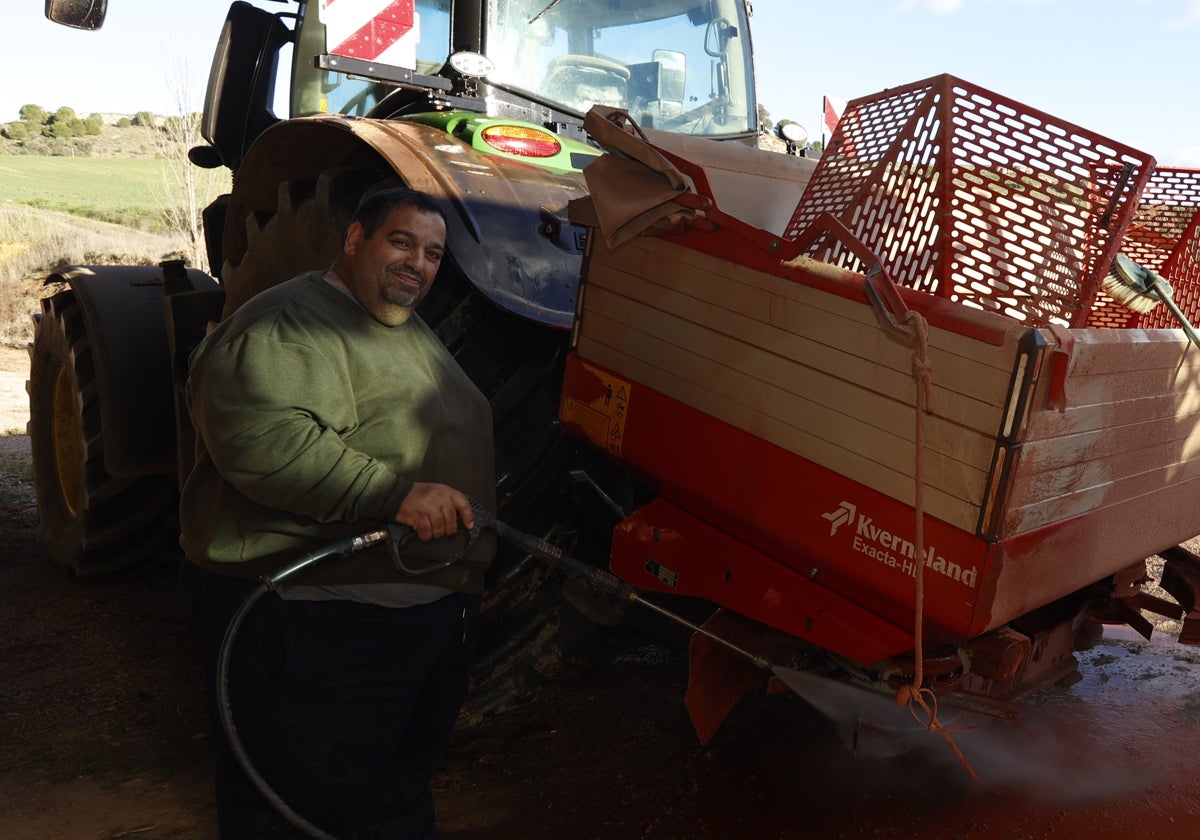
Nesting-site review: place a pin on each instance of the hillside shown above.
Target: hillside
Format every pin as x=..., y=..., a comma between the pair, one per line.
x=131, y=142
x=114, y=141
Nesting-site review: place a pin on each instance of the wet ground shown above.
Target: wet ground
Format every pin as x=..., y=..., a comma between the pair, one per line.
x=1111, y=757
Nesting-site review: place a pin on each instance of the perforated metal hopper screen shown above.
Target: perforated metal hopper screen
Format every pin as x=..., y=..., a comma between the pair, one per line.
x=971, y=196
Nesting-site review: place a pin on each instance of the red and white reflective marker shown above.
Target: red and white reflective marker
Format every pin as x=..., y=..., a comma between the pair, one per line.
x=385, y=31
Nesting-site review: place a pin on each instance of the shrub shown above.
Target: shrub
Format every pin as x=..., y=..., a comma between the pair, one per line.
x=18, y=130
x=60, y=129
x=34, y=241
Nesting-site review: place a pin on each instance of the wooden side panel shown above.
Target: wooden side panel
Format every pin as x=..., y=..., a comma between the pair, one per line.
x=1131, y=427
x=810, y=372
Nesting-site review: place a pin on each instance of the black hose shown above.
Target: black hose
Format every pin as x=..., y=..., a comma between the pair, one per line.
x=225, y=709
x=340, y=548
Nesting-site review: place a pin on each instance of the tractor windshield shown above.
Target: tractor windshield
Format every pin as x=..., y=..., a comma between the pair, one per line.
x=676, y=65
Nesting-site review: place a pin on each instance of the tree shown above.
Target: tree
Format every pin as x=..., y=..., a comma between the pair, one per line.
x=188, y=189
x=34, y=114
x=146, y=119
x=764, y=118
x=174, y=125
x=59, y=129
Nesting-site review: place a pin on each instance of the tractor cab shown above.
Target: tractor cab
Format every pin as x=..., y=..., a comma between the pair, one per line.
x=676, y=65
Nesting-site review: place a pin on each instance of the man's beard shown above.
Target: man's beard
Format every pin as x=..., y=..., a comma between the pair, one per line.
x=397, y=293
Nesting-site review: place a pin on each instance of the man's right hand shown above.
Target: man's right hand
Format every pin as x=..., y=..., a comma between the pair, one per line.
x=434, y=510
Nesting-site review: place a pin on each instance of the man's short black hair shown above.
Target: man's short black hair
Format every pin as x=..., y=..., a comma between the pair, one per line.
x=374, y=208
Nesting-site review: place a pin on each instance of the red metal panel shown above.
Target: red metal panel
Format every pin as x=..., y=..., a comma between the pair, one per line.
x=976, y=198
x=779, y=510
x=661, y=542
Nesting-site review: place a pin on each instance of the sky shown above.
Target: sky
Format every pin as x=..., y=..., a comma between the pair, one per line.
x=1128, y=70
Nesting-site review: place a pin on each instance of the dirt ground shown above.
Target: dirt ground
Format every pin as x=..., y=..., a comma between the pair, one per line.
x=102, y=735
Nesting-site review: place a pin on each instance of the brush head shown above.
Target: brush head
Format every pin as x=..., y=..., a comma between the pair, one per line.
x=1134, y=286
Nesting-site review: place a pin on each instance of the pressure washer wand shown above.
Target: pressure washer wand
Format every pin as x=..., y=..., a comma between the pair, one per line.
x=601, y=580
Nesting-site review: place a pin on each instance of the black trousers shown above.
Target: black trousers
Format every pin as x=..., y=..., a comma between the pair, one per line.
x=344, y=709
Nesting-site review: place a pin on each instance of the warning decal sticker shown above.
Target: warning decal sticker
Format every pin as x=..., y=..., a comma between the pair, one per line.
x=602, y=419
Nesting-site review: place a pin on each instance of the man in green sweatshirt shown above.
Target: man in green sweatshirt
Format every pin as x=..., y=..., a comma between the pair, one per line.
x=324, y=407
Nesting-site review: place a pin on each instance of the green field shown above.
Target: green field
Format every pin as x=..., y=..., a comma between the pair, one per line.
x=124, y=190
x=62, y=182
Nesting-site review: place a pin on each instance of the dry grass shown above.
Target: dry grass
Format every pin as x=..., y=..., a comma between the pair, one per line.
x=35, y=241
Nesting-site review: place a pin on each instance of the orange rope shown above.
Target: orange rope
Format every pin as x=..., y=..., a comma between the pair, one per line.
x=916, y=329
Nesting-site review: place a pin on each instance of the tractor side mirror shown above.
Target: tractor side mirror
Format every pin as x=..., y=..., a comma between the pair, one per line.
x=78, y=14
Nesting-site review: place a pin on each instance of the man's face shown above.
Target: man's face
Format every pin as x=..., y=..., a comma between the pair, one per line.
x=394, y=269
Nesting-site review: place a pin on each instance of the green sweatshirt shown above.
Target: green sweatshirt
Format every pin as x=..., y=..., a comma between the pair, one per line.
x=312, y=422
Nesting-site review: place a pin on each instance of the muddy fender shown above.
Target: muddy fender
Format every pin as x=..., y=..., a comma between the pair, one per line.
x=122, y=310
x=507, y=227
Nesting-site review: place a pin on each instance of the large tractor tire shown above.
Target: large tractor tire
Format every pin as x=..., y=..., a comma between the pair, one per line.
x=92, y=522
x=536, y=623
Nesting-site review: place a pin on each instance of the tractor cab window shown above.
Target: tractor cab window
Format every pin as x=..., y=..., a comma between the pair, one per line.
x=676, y=65
x=317, y=91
